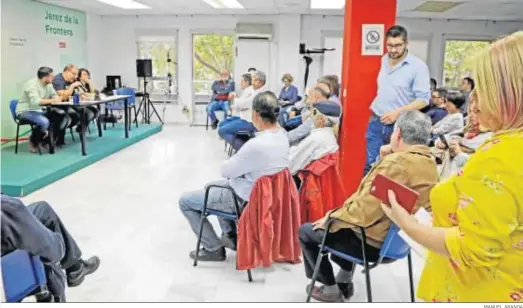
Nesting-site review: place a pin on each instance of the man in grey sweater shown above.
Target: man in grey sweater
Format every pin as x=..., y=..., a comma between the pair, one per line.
x=265, y=154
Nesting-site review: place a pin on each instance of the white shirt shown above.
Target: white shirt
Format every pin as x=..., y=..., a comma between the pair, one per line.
x=265, y=154
x=319, y=143
x=243, y=104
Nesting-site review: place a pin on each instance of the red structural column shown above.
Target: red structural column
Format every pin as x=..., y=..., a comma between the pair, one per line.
x=359, y=75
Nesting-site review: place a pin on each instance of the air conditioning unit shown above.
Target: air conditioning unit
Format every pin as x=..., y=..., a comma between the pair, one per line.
x=246, y=31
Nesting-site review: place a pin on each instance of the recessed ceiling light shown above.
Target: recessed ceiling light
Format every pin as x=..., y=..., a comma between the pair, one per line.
x=328, y=4
x=126, y=4
x=224, y=4
x=436, y=6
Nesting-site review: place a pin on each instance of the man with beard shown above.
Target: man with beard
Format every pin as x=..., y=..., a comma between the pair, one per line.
x=403, y=85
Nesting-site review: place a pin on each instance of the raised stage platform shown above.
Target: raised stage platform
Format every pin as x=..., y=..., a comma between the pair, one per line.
x=25, y=172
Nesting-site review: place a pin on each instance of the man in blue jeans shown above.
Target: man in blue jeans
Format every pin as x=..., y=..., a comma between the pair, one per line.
x=221, y=89
x=38, y=92
x=403, y=84
x=242, y=106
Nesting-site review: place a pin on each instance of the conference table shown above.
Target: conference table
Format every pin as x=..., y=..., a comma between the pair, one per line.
x=86, y=103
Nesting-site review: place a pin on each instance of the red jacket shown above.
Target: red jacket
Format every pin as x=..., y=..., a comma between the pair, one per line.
x=322, y=188
x=268, y=227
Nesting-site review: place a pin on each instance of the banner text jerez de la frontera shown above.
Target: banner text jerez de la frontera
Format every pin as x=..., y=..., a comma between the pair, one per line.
x=59, y=18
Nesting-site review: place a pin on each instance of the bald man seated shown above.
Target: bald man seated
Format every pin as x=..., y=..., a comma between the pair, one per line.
x=320, y=93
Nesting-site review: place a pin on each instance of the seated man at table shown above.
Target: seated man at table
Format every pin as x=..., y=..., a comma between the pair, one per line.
x=38, y=230
x=322, y=140
x=38, y=92
x=65, y=85
x=266, y=154
x=408, y=161
x=320, y=93
x=242, y=110
x=220, y=98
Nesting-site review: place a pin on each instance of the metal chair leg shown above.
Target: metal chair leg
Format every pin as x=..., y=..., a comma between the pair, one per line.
x=411, y=279
x=249, y=275
x=16, y=141
x=318, y=260
x=315, y=273
x=72, y=134
x=200, y=233
x=367, y=270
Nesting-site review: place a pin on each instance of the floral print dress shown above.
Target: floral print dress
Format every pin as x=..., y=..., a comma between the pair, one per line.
x=482, y=207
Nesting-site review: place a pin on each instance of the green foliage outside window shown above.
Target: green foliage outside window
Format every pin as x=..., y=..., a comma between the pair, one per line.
x=458, y=57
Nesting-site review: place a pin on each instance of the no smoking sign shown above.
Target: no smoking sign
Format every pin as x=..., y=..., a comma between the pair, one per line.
x=372, y=39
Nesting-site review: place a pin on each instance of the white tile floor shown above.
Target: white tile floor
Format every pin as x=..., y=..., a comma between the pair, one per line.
x=124, y=209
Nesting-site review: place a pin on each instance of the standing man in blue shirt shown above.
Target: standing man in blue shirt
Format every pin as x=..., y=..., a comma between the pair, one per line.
x=403, y=84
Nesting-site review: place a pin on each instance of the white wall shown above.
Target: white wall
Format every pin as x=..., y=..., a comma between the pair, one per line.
x=112, y=42
x=116, y=49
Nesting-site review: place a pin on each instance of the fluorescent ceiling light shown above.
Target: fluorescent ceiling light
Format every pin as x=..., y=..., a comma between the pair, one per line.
x=126, y=4
x=436, y=6
x=328, y=4
x=224, y=4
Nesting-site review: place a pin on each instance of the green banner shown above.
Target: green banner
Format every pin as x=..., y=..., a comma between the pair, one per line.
x=35, y=34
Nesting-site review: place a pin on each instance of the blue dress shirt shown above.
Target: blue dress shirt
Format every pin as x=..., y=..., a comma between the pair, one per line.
x=399, y=86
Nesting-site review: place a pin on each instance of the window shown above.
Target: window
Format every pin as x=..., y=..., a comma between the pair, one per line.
x=162, y=51
x=212, y=54
x=458, y=54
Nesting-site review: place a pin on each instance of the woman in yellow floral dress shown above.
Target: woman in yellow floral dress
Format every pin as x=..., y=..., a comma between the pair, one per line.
x=476, y=241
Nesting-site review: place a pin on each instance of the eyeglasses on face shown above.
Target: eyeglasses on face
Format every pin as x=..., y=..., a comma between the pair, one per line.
x=395, y=46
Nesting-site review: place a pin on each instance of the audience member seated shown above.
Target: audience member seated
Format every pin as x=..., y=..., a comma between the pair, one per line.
x=38, y=230
x=467, y=85
x=86, y=90
x=474, y=135
x=288, y=117
x=38, y=92
x=65, y=85
x=289, y=93
x=320, y=93
x=322, y=139
x=266, y=154
x=436, y=110
x=334, y=86
x=242, y=110
x=220, y=99
x=407, y=160
x=453, y=121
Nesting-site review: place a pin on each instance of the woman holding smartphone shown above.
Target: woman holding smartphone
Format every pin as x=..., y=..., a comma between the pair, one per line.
x=476, y=241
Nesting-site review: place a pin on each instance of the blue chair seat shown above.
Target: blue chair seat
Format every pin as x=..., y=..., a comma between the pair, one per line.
x=393, y=248
x=22, y=275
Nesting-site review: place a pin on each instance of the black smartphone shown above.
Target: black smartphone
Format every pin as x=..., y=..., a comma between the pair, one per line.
x=444, y=140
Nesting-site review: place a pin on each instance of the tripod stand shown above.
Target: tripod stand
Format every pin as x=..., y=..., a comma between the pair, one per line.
x=147, y=105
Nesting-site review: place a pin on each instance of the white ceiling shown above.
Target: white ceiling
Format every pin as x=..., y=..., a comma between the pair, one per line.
x=469, y=9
